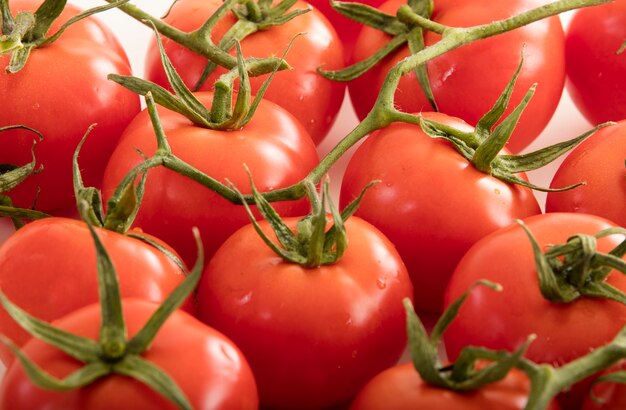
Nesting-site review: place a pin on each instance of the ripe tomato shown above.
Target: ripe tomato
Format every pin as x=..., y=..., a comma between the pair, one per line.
x=48, y=268
x=348, y=30
x=274, y=146
x=594, y=68
x=466, y=82
x=599, y=162
x=208, y=368
x=312, y=99
x=431, y=203
x=400, y=387
x=313, y=336
x=503, y=320
x=60, y=92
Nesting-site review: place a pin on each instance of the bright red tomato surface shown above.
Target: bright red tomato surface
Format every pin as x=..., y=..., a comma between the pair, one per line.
x=48, y=268
x=466, y=82
x=400, y=388
x=61, y=91
x=208, y=368
x=274, y=146
x=503, y=320
x=595, y=70
x=312, y=99
x=431, y=202
x=313, y=336
x=599, y=162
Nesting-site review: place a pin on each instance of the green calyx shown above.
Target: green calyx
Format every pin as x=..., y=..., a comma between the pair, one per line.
x=113, y=353
x=482, y=147
x=26, y=31
x=406, y=28
x=122, y=207
x=11, y=176
x=311, y=245
x=576, y=269
x=464, y=374
x=223, y=115
x=252, y=16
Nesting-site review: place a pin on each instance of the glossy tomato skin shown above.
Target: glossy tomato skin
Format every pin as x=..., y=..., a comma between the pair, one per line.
x=48, y=268
x=206, y=365
x=312, y=99
x=599, y=163
x=314, y=336
x=467, y=81
x=274, y=146
x=400, y=388
x=347, y=30
x=431, y=203
x=503, y=320
x=595, y=70
x=62, y=90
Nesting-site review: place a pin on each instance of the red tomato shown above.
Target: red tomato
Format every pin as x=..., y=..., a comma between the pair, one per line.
x=503, y=320
x=431, y=203
x=313, y=336
x=599, y=162
x=466, y=82
x=312, y=99
x=274, y=146
x=48, y=268
x=348, y=30
x=60, y=92
x=400, y=388
x=594, y=68
x=208, y=368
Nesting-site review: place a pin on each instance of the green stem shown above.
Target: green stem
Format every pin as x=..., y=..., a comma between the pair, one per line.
x=547, y=382
x=407, y=15
x=192, y=41
x=383, y=112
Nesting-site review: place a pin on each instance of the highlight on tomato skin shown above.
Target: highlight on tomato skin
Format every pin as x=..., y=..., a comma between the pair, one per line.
x=313, y=336
x=207, y=366
x=312, y=99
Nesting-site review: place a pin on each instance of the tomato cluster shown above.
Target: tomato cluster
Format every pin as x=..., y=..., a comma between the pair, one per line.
x=299, y=304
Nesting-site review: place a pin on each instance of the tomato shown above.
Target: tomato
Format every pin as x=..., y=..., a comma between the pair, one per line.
x=60, y=92
x=503, y=320
x=347, y=29
x=466, y=82
x=313, y=336
x=312, y=99
x=400, y=387
x=599, y=162
x=208, y=368
x=274, y=146
x=595, y=70
x=48, y=268
x=431, y=203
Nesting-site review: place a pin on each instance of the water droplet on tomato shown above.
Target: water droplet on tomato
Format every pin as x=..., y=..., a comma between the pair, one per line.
x=381, y=283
